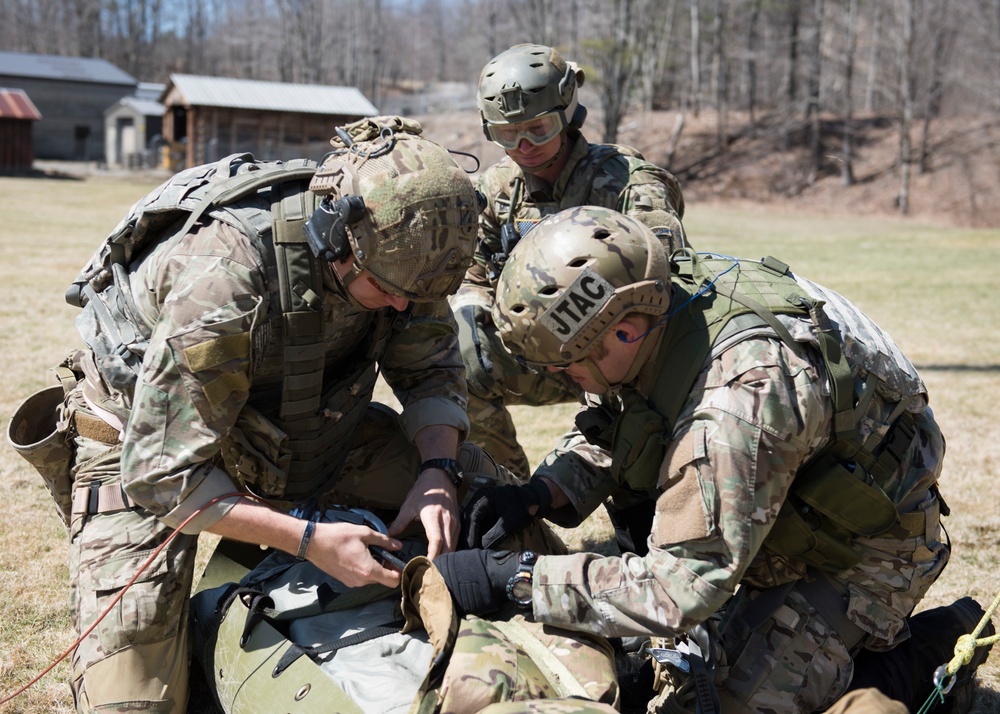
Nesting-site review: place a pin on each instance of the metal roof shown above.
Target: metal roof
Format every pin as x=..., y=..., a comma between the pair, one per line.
x=15, y=104
x=71, y=69
x=271, y=96
x=146, y=107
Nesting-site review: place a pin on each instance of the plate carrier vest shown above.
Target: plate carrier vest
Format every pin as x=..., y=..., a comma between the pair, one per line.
x=835, y=497
x=269, y=202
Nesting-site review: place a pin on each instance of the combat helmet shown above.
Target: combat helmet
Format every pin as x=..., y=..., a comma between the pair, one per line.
x=573, y=277
x=527, y=82
x=400, y=204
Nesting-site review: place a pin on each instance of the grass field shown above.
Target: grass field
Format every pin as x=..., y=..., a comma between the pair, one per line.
x=932, y=287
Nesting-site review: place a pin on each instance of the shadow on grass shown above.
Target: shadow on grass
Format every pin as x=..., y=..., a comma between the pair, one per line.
x=47, y=174
x=958, y=367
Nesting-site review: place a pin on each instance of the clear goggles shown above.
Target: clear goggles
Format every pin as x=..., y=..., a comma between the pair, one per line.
x=538, y=131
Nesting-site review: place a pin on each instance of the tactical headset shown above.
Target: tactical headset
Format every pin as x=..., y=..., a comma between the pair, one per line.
x=326, y=230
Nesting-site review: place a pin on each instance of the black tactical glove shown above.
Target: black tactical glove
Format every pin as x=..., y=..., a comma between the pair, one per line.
x=477, y=579
x=475, y=346
x=496, y=512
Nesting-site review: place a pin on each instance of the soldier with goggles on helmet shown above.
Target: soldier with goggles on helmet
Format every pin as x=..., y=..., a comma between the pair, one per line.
x=528, y=99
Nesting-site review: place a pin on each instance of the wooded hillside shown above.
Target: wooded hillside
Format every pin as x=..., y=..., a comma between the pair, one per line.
x=802, y=74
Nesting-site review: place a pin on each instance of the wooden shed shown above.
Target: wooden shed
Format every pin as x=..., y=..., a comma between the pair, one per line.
x=72, y=94
x=207, y=118
x=16, y=116
x=133, y=129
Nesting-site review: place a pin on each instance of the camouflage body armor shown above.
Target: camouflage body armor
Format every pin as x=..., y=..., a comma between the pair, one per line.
x=518, y=213
x=849, y=488
x=269, y=202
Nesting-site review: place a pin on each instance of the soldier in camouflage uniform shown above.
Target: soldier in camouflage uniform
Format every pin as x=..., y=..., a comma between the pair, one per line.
x=210, y=416
x=716, y=440
x=527, y=97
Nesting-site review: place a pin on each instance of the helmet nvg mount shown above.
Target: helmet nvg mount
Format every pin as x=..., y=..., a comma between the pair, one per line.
x=400, y=204
x=527, y=82
x=572, y=278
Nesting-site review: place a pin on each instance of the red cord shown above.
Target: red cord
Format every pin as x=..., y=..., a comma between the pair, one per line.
x=119, y=596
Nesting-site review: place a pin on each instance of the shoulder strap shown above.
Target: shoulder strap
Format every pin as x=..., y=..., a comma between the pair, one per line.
x=582, y=181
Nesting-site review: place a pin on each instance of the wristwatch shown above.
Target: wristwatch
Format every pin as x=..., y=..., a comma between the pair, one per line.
x=519, y=585
x=449, y=466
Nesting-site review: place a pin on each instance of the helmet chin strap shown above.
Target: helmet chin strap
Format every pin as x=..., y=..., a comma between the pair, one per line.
x=344, y=281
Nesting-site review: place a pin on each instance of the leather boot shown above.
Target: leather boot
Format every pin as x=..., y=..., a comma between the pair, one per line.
x=906, y=672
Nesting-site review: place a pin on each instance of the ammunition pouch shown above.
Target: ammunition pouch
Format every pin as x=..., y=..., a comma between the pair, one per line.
x=838, y=497
x=256, y=453
x=39, y=432
x=639, y=444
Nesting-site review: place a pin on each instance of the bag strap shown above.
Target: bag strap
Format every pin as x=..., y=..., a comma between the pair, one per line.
x=555, y=671
x=291, y=654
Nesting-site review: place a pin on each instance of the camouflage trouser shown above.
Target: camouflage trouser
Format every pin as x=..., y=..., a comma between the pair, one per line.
x=137, y=658
x=795, y=654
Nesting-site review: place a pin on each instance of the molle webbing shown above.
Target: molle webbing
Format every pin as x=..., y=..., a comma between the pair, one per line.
x=300, y=281
x=838, y=495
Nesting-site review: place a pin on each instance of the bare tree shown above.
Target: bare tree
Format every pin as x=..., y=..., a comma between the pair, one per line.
x=719, y=73
x=905, y=60
x=850, y=44
x=932, y=106
x=753, y=37
x=813, y=115
x=655, y=46
x=873, y=59
x=695, y=56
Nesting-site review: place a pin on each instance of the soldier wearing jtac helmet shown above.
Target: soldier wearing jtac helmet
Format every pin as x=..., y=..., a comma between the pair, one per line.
x=529, y=103
x=244, y=361
x=790, y=454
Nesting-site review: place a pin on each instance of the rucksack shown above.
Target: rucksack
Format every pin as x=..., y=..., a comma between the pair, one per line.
x=289, y=638
x=268, y=201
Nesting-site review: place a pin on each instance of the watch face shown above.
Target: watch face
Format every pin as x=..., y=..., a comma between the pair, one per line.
x=519, y=589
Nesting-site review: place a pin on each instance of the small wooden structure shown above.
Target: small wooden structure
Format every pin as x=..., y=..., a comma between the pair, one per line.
x=16, y=116
x=207, y=118
x=72, y=94
x=133, y=129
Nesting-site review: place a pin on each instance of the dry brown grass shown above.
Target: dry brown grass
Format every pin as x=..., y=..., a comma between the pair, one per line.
x=933, y=288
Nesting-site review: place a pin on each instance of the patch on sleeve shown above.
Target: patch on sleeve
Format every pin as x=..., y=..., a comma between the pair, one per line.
x=681, y=513
x=578, y=305
x=219, y=389
x=219, y=350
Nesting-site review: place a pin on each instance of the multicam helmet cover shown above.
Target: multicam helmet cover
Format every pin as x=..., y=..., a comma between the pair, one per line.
x=526, y=82
x=419, y=230
x=573, y=277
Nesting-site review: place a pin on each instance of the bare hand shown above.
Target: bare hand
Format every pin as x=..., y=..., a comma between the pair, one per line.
x=433, y=502
x=341, y=550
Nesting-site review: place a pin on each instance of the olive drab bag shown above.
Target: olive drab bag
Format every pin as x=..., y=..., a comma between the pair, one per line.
x=289, y=638
x=231, y=190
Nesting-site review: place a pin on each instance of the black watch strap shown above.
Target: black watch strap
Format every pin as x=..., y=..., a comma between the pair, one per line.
x=449, y=466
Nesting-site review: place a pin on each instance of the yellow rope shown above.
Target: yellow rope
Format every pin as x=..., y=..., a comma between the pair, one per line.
x=966, y=645
x=965, y=648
